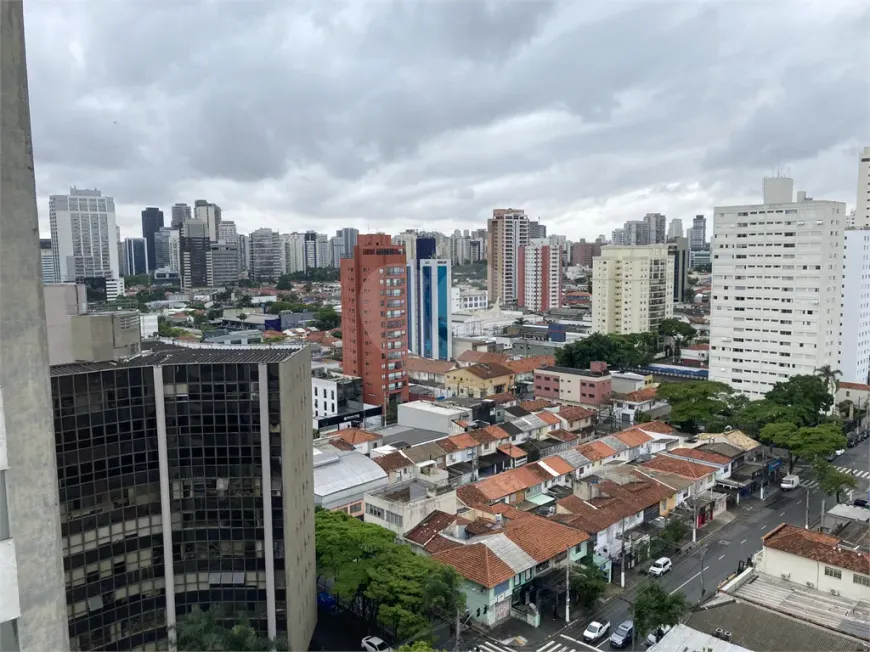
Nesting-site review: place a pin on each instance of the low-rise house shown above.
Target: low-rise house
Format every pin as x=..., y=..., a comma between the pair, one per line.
x=700, y=499
x=480, y=380
x=471, y=357
x=626, y=382
x=577, y=418
x=426, y=537
x=524, y=368
x=428, y=372
x=537, y=404
x=626, y=406
x=402, y=506
x=586, y=387
x=343, y=477
x=695, y=355
x=523, y=487
x=497, y=564
x=851, y=524
x=816, y=560
x=856, y=393
x=394, y=463
x=490, y=461
x=362, y=441
x=441, y=416
x=721, y=463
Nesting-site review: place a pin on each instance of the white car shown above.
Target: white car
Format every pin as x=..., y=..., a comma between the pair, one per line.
x=656, y=635
x=660, y=566
x=375, y=644
x=839, y=452
x=596, y=630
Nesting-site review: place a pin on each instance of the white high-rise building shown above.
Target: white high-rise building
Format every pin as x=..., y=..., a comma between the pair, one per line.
x=675, y=228
x=507, y=231
x=855, y=312
x=84, y=236
x=632, y=288
x=775, y=296
x=698, y=233
x=227, y=233
x=409, y=240
x=211, y=215
x=292, y=253
x=862, y=206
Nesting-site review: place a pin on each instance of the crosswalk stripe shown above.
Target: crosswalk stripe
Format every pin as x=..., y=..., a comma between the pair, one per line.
x=551, y=646
x=492, y=647
x=860, y=474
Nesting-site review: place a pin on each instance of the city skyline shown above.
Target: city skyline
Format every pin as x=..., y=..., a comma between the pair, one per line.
x=677, y=131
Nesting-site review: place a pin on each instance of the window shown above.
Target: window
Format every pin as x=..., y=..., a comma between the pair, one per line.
x=836, y=573
x=375, y=511
x=356, y=507
x=861, y=579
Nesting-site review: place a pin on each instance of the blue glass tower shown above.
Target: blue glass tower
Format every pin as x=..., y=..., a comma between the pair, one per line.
x=429, y=282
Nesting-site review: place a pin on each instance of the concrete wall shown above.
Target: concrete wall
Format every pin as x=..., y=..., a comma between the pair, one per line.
x=801, y=570
x=412, y=512
x=62, y=301
x=34, y=513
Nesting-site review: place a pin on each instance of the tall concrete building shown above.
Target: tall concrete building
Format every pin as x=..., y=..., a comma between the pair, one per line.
x=265, y=255
x=224, y=264
x=583, y=252
x=317, y=251
x=698, y=233
x=292, y=249
x=862, y=206
x=539, y=275
x=655, y=228
x=375, y=341
x=408, y=239
x=195, y=247
x=536, y=230
x=210, y=214
x=185, y=479
x=46, y=260
x=632, y=288
x=675, y=228
x=678, y=249
x=227, y=233
x=32, y=601
x=855, y=312
x=775, y=306
x=152, y=222
x=507, y=231
x=136, y=256
x=167, y=245
x=429, y=307
x=84, y=235
x=180, y=213
x=244, y=255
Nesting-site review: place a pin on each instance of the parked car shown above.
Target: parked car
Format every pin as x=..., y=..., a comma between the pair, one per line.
x=375, y=644
x=596, y=630
x=623, y=635
x=656, y=635
x=790, y=482
x=861, y=502
x=660, y=566
x=839, y=452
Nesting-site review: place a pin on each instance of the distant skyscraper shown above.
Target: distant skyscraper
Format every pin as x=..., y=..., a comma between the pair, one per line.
x=675, y=228
x=195, y=245
x=167, y=254
x=678, y=249
x=507, y=231
x=698, y=236
x=210, y=214
x=293, y=252
x=136, y=256
x=227, y=233
x=84, y=235
x=180, y=213
x=265, y=255
x=224, y=264
x=536, y=230
x=862, y=207
x=582, y=253
x=539, y=275
x=429, y=309
x=408, y=239
x=152, y=222
x=46, y=260
x=367, y=343
x=655, y=228
x=349, y=236
x=636, y=232
x=244, y=255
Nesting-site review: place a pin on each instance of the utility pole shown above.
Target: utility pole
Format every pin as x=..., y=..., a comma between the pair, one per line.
x=763, y=470
x=807, y=516
x=823, y=512
x=456, y=638
x=703, y=555
x=568, y=585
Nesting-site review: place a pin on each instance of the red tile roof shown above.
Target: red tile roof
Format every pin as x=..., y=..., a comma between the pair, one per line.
x=658, y=427
x=595, y=451
x=430, y=526
x=698, y=347
x=424, y=365
x=487, y=370
x=463, y=440
x=543, y=539
x=488, y=434
x=575, y=413
x=477, y=563
x=640, y=396
x=559, y=465
x=680, y=467
x=549, y=418
x=504, y=397
x=528, y=365
x=700, y=455
x=633, y=437
x=471, y=495
x=512, y=451
x=857, y=386
x=562, y=435
x=440, y=543
x=504, y=484
x=392, y=461
x=819, y=547
x=356, y=436
x=446, y=445
x=483, y=356
x=537, y=404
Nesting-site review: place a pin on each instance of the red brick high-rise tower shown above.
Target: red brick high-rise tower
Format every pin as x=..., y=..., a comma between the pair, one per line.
x=374, y=318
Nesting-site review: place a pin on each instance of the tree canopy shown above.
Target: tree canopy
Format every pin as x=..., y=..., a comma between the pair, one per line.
x=832, y=480
x=327, y=319
x=633, y=350
x=201, y=630
x=588, y=583
x=698, y=404
x=679, y=330
x=804, y=443
x=807, y=396
x=653, y=607
x=387, y=581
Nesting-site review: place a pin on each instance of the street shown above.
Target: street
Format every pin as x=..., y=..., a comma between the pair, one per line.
x=720, y=552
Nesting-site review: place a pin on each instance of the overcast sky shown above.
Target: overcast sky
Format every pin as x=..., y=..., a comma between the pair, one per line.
x=427, y=114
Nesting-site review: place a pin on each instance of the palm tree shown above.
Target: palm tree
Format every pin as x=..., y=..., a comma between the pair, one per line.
x=831, y=377
x=519, y=321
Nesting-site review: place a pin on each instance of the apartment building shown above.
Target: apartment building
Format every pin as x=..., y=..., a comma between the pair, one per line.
x=429, y=307
x=862, y=206
x=855, y=316
x=632, y=288
x=539, y=275
x=507, y=231
x=584, y=387
x=185, y=479
x=775, y=293
x=84, y=236
x=374, y=295
x=195, y=249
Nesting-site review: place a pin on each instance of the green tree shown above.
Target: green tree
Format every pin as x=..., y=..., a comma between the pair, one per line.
x=642, y=417
x=327, y=319
x=831, y=377
x=276, y=307
x=245, y=301
x=284, y=282
x=804, y=443
x=519, y=321
x=632, y=350
x=675, y=531
x=680, y=331
x=697, y=404
x=201, y=630
x=832, y=480
x=756, y=414
x=137, y=279
x=807, y=396
x=418, y=646
x=653, y=607
x=588, y=583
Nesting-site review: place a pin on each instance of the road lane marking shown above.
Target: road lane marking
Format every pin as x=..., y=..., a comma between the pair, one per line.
x=763, y=526
x=578, y=642
x=782, y=513
x=722, y=557
x=688, y=580
x=742, y=542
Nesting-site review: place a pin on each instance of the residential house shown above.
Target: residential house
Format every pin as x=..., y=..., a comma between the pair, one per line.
x=362, y=441
x=403, y=505
x=394, y=463
x=626, y=382
x=441, y=416
x=695, y=355
x=471, y=357
x=490, y=460
x=816, y=560
x=426, y=537
x=461, y=460
x=480, y=380
x=499, y=563
x=537, y=404
x=626, y=406
x=577, y=418
x=856, y=393
x=428, y=372
x=586, y=387
x=524, y=368
x=721, y=463
x=343, y=477
x=704, y=503
x=524, y=486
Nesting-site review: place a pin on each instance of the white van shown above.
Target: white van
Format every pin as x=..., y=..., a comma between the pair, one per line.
x=790, y=482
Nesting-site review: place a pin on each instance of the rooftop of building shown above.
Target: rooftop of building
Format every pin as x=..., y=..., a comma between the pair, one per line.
x=683, y=638
x=823, y=548
x=487, y=370
x=437, y=407
x=409, y=491
x=483, y=357
x=417, y=364
x=574, y=372
x=404, y=436
x=336, y=470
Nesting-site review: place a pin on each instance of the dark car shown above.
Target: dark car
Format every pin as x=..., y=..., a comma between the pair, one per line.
x=622, y=635
x=861, y=502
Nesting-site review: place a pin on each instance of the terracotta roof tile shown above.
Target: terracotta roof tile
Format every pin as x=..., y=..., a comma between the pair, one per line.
x=504, y=397
x=541, y=538
x=341, y=445
x=633, y=437
x=549, y=418
x=477, y=563
x=463, y=441
x=640, y=396
x=698, y=347
x=488, y=370
x=471, y=495
x=527, y=365
x=504, y=484
x=857, y=386
x=424, y=365
x=562, y=435
x=700, y=455
x=439, y=543
x=595, y=451
x=680, y=467
x=480, y=526
x=537, y=404
x=483, y=356
x=819, y=547
x=575, y=413
x=658, y=427
x=357, y=436
x=447, y=445
x=559, y=465
x=512, y=451
x=430, y=526
x=392, y=461
x=481, y=436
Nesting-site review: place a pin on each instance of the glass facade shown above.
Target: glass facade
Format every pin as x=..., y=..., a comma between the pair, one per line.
x=443, y=327
x=426, y=301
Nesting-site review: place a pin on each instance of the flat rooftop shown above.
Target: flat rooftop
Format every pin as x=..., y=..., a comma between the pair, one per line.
x=408, y=435
x=410, y=491
x=575, y=372
x=435, y=408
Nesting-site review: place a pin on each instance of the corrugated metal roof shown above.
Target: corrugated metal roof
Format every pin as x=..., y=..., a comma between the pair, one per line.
x=509, y=552
x=343, y=470
x=574, y=458
x=614, y=443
